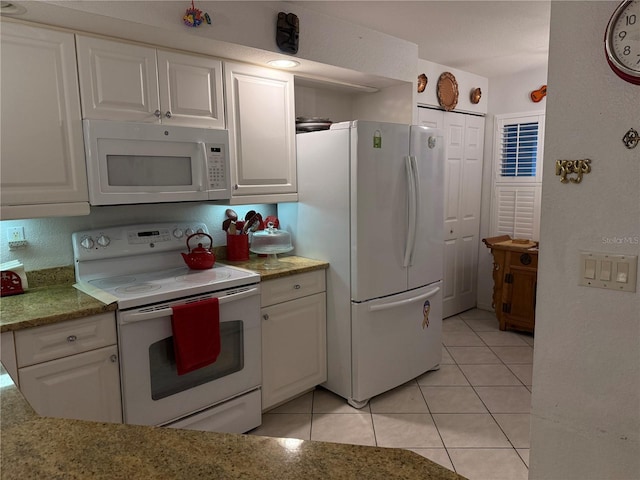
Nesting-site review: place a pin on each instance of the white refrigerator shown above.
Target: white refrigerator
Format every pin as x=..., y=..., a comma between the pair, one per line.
x=371, y=204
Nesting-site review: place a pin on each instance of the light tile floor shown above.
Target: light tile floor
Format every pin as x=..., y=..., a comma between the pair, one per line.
x=471, y=415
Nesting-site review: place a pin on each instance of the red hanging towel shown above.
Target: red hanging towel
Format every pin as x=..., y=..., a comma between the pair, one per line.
x=196, y=334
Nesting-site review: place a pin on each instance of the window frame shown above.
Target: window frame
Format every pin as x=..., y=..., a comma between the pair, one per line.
x=527, y=184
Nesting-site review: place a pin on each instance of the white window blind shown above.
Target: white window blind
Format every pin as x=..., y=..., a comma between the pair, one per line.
x=517, y=179
x=519, y=149
x=517, y=211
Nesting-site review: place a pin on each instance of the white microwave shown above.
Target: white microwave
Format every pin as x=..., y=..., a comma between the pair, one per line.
x=130, y=163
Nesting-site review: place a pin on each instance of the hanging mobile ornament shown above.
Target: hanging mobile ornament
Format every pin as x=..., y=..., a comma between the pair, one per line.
x=193, y=17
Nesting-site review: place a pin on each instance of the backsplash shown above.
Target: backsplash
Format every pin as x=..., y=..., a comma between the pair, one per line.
x=49, y=239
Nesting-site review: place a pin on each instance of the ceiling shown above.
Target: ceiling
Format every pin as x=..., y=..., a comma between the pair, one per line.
x=488, y=38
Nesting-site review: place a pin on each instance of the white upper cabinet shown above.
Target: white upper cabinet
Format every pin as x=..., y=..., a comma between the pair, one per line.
x=127, y=82
x=190, y=90
x=261, y=119
x=43, y=166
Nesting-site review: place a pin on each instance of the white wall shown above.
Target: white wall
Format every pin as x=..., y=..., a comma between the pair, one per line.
x=242, y=31
x=49, y=239
x=509, y=94
x=466, y=83
x=585, y=421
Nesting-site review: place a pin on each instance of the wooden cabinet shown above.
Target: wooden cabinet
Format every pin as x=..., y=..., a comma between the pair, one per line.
x=71, y=369
x=128, y=82
x=43, y=165
x=515, y=272
x=464, y=137
x=261, y=120
x=294, y=353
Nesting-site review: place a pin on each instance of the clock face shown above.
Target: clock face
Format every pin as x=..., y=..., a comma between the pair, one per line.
x=622, y=41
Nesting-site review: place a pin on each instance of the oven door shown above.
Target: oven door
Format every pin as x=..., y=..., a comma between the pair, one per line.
x=152, y=391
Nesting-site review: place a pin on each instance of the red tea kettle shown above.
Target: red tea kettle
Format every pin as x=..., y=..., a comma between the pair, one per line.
x=199, y=258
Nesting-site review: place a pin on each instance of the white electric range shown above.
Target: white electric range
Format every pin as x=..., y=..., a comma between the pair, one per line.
x=140, y=267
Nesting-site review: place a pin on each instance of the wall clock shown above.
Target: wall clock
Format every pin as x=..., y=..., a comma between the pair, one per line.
x=622, y=41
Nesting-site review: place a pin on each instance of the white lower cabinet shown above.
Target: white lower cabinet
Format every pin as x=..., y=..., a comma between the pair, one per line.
x=294, y=352
x=71, y=369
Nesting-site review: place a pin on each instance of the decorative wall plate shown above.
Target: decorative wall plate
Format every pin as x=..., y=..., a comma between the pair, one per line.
x=422, y=82
x=447, y=91
x=475, y=95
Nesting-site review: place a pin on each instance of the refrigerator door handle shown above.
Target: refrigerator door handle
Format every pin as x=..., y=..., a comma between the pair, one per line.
x=411, y=234
x=416, y=193
x=399, y=303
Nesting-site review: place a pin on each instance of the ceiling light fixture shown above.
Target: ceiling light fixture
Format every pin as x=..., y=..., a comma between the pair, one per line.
x=283, y=63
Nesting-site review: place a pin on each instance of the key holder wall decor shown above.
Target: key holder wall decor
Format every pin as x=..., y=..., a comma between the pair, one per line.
x=569, y=167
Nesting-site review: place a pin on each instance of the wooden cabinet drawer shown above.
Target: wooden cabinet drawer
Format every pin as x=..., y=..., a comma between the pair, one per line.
x=523, y=259
x=39, y=344
x=291, y=287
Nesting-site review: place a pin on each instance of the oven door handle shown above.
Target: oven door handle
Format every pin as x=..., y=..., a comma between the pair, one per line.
x=168, y=311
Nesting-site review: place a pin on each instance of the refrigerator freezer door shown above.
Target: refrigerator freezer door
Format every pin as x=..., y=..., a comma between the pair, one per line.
x=427, y=147
x=393, y=341
x=379, y=209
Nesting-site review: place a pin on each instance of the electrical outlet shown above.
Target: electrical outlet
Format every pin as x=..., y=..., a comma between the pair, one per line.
x=15, y=234
x=16, y=238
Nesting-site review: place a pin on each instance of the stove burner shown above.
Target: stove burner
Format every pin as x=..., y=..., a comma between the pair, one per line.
x=112, y=281
x=137, y=288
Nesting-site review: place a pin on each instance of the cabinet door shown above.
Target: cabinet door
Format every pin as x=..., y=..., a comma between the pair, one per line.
x=428, y=117
x=190, y=90
x=84, y=386
x=261, y=119
x=8, y=355
x=294, y=357
x=118, y=81
x=42, y=148
x=464, y=135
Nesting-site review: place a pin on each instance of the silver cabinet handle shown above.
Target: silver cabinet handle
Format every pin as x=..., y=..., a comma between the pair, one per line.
x=71, y=338
x=168, y=114
x=157, y=113
x=113, y=358
x=265, y=316
x=297, y=287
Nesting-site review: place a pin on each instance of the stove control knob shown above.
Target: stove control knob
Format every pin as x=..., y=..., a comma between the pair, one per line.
x=103, y=240
x=87, y=242
x=200, y=230
x=188, y=231
x=178, y=233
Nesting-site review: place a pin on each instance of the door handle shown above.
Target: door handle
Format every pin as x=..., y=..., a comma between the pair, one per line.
x=407, y=301
x=168, y=311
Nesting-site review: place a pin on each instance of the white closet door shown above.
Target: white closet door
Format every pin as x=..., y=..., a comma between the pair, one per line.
x=464, y=230
x=464, y=137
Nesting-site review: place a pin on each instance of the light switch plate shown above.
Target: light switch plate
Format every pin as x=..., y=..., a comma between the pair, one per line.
x=612, y=271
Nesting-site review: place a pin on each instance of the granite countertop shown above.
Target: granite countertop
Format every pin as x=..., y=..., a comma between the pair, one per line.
x=288, y=265
x=44, y=304
x=41, y=447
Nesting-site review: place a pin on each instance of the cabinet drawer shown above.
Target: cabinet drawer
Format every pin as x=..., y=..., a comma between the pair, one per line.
x=39, y=344
x=294, y=286
x=523, y=259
